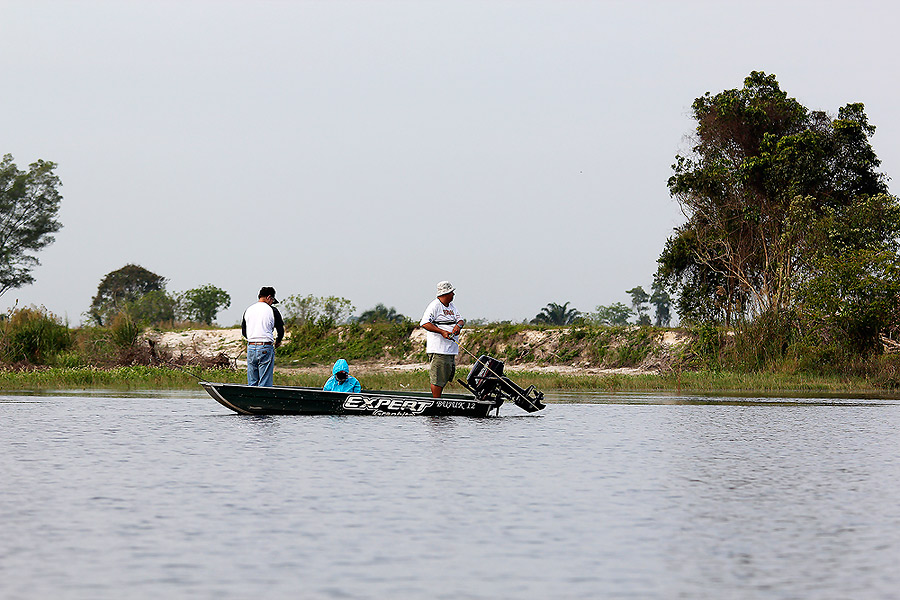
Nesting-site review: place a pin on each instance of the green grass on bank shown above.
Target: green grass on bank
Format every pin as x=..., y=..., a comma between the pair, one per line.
x=700, y=381
x=165, y=378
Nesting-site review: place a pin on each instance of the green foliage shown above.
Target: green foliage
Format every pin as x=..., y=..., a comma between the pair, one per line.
x=33, y=335
x=884, y=372
x=130, y=377
x=124, y=331
x=614, y=315
x=705, y=295
x=202, y=304
x=299, y=310
x=757, y=150
x=120, y=288
x=494, y=340
x=381, y=314
x=556, y=314
x=791, y=239
x=93, y=346
x=140, y=377
x=634, y=348
x=321, y=343
x=639, y=300
x=336, y=310
x=771, y=353
x=662, y=304
x=152, y=308
x=329, y=310
x=708, y=346
x=29, y=204
x=771, y=342
x=849, y=301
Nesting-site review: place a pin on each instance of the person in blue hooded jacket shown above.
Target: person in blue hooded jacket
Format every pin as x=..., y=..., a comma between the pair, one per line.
x=340, y=381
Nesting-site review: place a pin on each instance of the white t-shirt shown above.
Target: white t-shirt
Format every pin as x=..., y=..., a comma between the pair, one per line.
x=260, y=322
x=445, y=317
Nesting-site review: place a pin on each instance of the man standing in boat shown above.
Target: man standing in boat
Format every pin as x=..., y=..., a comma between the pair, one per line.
x=259, y=324
x=443, y=323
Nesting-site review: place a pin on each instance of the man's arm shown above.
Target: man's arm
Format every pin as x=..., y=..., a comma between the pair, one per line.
x=279, y=326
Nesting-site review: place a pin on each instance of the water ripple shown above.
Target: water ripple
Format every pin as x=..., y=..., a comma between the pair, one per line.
x=637, y=496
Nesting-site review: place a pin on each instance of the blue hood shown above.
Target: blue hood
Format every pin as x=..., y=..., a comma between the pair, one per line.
x=340, y=365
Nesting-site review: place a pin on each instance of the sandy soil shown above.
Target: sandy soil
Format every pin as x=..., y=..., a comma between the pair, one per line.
x=202, y=342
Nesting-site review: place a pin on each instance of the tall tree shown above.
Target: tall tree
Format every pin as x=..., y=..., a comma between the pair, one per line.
x=299, y=310
x=202, y=304
x=324, y=310
x=639, y=300
x=29, y=203
x=662, y=304
x=556, y=314
x=850, y=292
x=335, y=309
x=122, y=286
x=756, y=150
x=153, y=307
x=615, y=315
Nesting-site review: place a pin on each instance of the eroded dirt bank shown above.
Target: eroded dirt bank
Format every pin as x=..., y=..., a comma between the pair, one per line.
x=550, y=350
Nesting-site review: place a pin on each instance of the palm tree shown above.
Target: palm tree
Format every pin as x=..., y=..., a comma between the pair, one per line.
x=556, y=314
x=381, y=314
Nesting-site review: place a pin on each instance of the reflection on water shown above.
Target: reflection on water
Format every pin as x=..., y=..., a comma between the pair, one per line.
x=613, y=496
x=747, y=399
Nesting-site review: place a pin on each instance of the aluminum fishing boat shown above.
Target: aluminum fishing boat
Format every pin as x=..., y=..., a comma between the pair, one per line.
x=487, y=385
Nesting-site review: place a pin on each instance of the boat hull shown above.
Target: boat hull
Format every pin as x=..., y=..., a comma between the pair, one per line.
x=284, y=400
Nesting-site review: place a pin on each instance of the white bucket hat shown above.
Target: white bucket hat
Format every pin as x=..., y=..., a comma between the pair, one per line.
x=444, y=287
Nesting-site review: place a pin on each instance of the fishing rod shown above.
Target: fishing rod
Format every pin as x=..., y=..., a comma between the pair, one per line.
x=518, y=395
x=478, y=360
x=466, y=350
x=184, y=370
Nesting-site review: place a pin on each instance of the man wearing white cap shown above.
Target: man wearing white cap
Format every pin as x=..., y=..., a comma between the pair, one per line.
x=443, y=323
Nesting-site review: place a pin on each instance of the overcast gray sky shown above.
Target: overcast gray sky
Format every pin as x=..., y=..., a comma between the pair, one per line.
x=370, y=149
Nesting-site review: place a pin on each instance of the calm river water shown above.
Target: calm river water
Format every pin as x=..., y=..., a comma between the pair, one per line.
x=168, y=495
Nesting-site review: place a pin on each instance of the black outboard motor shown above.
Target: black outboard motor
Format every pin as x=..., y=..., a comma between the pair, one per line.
x=487, y=382
x=485, y=376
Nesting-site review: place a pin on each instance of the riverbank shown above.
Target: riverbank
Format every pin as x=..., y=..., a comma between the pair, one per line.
x=392, y=377
x=392, y=357
x=626, y=351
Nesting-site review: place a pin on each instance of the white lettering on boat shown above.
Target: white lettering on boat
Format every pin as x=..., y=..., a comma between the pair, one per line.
x=387, y=405
x=455, y=404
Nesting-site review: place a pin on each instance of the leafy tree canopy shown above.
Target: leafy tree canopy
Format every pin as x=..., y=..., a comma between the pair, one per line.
x=662, y=304
x=326, y=310
x=639, y=300
x=381, y=314
x=153, y=307
x=614, y=315
x=335, y=309
x=756, y=151
x=123, y=286
x=29, y=203
x=202, y=304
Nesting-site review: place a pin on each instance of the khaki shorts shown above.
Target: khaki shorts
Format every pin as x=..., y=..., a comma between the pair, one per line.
x=443, y=368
